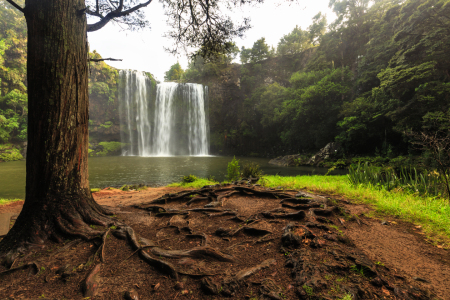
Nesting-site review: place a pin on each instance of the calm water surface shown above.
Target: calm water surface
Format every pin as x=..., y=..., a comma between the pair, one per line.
x=152, y=171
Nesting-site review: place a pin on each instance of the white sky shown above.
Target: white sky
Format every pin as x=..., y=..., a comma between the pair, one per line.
x=144, y=50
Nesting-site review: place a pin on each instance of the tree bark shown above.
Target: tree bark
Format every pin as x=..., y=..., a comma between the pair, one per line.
x=58, y=200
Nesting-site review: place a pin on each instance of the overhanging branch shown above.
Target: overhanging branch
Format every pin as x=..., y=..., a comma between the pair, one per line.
x=103, y=59
x=115, y=14
x=15, y=5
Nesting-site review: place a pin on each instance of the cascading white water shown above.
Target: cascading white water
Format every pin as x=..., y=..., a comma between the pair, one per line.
x=172, y=121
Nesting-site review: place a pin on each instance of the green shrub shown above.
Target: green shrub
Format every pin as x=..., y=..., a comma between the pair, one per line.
x=106, y=125
x=233, y=170
x=11, y=155
x=109, y=147
x=251, y=170
x=190, y=178
x=211, y=178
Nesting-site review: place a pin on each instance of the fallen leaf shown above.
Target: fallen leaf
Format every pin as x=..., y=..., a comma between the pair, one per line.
x=157, y=286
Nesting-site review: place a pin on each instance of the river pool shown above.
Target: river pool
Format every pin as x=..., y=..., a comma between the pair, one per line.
x=153, y=171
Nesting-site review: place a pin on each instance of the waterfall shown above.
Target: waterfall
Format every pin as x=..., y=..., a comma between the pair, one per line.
x=169, y=120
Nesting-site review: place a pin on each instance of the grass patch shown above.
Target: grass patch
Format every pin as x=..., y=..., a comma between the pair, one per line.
x=432, y=213
x=197, y=183
x=95, y=190
x=7, y=201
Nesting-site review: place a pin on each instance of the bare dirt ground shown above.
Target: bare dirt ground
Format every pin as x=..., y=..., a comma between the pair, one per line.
x=234, y=241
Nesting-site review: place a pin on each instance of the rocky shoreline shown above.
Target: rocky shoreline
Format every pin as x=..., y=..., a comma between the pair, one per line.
x=301, y=160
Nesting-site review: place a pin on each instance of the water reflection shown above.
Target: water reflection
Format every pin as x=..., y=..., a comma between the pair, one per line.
x=153, y=171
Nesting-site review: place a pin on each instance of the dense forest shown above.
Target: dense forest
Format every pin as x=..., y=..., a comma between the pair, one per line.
x=380, y=72
x=377, y=73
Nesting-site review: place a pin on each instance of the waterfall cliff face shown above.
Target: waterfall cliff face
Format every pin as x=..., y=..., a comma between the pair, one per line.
x=172, y=121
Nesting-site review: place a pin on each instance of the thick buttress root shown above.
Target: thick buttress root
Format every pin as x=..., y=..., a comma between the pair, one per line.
x=58, y=221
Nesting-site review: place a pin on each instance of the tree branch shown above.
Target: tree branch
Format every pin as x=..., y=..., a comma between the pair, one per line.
x=103, y=59
x=15, y=5
x=114, y=14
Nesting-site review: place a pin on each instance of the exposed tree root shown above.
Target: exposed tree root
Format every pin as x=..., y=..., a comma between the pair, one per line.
x=198, y=252
x=302, y=206
x=101, y=249
x=170, y=213
x=224, y=213
x=296, y=201
x=229, y=285
x=66, y=246
x=299, y=215
x=33, y=266
x=158, y=264
x=38, y=223
x=153, y=208
x=214, y=196
x=197, y=199
x=324, y=212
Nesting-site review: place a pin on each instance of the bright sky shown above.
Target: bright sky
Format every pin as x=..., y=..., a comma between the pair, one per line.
x=144, y=50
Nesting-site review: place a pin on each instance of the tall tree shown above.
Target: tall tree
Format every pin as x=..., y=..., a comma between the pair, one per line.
x=295, y=42
x=175, y=72
x=58, y=201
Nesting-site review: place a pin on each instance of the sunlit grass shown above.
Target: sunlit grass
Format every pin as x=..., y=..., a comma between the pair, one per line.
x=432, y=213
x=7, y=201
x=198, y=183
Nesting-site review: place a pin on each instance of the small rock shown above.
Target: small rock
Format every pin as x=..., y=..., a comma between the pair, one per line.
x=384, y=223
x=90, y=284
x=131, y=295
x=179, y=286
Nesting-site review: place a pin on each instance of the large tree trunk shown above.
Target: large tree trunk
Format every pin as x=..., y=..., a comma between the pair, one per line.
x=58, y=200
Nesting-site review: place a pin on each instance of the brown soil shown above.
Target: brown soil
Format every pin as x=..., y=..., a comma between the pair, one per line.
x=250, y=245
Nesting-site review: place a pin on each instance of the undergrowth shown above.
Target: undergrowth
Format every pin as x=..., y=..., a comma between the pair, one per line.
x=422, y=182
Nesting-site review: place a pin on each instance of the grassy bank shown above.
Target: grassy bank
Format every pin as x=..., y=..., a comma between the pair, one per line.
x=433, y=214
x=198, y=183
x=7, y=201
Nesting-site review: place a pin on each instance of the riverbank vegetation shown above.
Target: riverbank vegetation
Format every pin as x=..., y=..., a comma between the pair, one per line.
x=7, y=201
